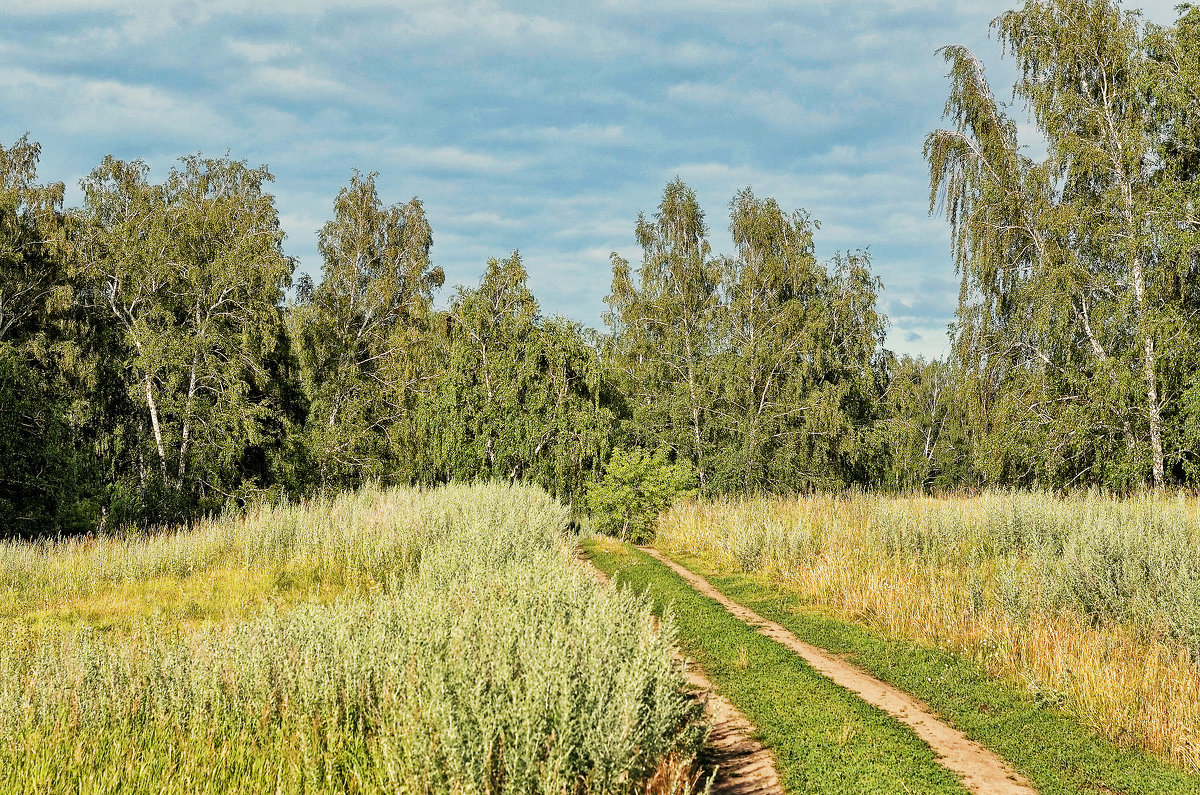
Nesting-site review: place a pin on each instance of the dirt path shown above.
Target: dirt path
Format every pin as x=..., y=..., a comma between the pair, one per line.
x=744, y=766
x=979, y=769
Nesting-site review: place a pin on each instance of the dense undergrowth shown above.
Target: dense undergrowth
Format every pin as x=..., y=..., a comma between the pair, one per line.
x=410, y=641
x=1090, y=603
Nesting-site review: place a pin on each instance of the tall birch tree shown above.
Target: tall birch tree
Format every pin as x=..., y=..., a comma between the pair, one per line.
x=191, y=273
x=664, y=319
x=1069, y=329
x=358, y=329
x=798, y=344
x=515, y=396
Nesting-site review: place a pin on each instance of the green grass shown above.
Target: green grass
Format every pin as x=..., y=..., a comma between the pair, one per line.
x=825, y=740
x=1051, y=749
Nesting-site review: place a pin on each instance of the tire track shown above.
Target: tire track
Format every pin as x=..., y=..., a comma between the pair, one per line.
x=743, y=765
x=979, y=769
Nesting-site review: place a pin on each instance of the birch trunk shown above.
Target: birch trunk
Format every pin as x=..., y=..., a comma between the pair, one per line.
x=156, y=427
x=1153, y=406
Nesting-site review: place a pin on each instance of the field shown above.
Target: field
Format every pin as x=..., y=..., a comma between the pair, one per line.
x=1089, y=603
x=448, y=640
x=401, y=641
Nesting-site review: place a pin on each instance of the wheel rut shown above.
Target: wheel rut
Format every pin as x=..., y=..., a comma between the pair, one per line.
x=977, y=768
x=743, y=765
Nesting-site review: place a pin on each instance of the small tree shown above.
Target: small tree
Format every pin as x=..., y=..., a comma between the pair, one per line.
x=636, y=487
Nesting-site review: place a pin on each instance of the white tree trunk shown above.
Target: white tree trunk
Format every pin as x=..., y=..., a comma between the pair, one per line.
x=1153, y=406
x=157, y=428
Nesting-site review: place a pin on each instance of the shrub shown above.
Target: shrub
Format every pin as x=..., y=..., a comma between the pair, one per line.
x=636, y=487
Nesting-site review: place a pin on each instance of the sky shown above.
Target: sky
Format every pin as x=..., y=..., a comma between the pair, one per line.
x=539, y=127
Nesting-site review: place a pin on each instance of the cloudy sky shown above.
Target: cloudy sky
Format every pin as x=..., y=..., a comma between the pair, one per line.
x=543, y=127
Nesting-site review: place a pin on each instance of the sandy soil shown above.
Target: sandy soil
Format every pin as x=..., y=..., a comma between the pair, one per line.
x=979, y=769
x=743, y=766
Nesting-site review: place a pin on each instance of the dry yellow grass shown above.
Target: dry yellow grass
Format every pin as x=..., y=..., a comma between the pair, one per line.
x=1085, y=601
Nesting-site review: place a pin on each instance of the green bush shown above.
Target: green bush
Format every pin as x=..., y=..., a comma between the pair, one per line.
x=636, y=487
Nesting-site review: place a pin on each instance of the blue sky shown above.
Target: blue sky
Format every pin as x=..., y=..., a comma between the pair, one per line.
x=543, y=127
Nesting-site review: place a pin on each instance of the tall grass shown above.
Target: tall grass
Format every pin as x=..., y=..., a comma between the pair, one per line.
x=463, y=652
x=1091, y=602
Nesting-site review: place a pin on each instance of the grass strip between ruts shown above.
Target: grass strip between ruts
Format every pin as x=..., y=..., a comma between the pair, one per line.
x=824, y=738
x=1053, y=750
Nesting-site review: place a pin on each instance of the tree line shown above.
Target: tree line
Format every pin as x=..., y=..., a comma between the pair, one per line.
x=155, y=367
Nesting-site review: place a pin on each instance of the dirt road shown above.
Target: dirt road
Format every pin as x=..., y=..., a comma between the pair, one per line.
x=979, y=769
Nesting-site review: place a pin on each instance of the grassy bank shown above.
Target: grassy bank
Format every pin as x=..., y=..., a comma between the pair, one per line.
x=403, y=641
x=825, y=740
x=1089, y=604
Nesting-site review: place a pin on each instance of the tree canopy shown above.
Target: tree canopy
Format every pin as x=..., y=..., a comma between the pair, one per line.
x=1076, y=328
x=156, y=364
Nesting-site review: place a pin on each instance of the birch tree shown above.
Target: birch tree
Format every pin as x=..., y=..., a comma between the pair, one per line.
x=192, y=274
x=358, y=328
x=799, y=340
x=664, y=319
x=1066, y=310
x=32, y=234
x=44, y=477
x=517, y=397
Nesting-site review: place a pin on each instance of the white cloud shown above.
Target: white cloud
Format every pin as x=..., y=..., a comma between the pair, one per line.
x=262, y=51
x=483, y=218
x=294, y=82
x=577, y=135
x=486, y=26
x=92, y=107
x=454, y=159
x=615, y=229
x=930, y=342
x=775, y=107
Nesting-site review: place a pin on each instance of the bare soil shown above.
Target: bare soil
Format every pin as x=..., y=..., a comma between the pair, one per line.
x=979, y=769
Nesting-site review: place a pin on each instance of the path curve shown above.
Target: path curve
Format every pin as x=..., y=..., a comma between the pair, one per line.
x=979, y=769
x=744, y=766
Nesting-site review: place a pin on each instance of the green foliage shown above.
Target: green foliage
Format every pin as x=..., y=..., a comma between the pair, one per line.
x=40, y=470
x=155, y=311
x=760, y=370
x=925, y=431
x=1076, y=328
x=191, y=275
x=359, y=336
x=664, y=329
x=31, y=243
x=635, y=489
x=1066, y=758
x=513, y=396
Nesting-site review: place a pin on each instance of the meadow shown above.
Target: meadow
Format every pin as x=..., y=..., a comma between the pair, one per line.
x=1089, y=602
x=402, y=640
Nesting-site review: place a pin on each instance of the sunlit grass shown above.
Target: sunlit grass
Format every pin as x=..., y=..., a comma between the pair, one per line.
x=401, y=641
x=1089, y=602
x=824, y=739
